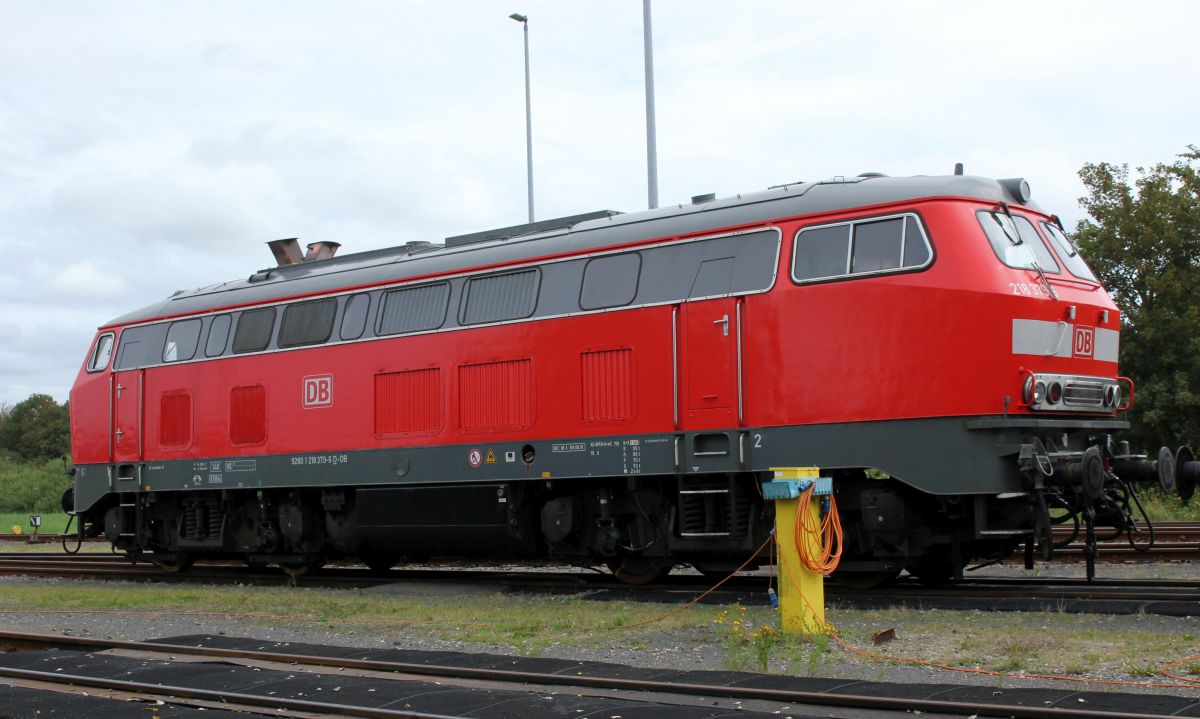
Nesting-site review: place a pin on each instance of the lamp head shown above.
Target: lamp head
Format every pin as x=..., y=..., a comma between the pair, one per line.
x=519, y=17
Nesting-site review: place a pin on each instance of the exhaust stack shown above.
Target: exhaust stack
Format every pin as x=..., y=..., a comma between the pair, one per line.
x=321, y=251
x=286, y=251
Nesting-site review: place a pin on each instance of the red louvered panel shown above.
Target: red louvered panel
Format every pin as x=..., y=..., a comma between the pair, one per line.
x=248, y=415
x=175, y=419
x=494, y=396
x=607, y=385
x=409, y=401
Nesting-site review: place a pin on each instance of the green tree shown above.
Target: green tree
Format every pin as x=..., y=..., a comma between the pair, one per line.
x=1143, y=240
x=37, y=428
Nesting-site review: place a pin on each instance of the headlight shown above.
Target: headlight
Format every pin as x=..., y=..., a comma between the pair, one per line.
x=1027, y=390
x=1112, y=395
x=1039, y=392
x=1054, y=392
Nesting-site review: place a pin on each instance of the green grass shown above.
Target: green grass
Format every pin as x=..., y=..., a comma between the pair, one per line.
x=527, y=624
x=31, y=486
x=52, y=522
x=1167, y=507
x=1041, y=643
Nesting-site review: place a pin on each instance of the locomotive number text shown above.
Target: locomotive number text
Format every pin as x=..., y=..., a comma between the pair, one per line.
x=1028, y=289
x=320, y=459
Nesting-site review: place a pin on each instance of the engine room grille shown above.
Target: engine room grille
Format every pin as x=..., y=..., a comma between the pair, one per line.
x=494, y=396
x=248, y=415
x=175, y=419
x=409, y=401
x=607, y=384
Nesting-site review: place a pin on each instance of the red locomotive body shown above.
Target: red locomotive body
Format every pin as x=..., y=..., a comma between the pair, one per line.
x=614, y=387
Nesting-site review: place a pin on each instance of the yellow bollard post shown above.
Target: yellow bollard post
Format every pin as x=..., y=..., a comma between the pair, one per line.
x=801, y=590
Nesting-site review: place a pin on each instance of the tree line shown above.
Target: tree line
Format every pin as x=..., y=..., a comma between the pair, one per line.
x=1143, y=239
x=1141, y=236
x=35, y=437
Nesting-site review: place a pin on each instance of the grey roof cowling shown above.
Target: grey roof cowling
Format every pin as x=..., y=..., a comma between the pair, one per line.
x=606, y=229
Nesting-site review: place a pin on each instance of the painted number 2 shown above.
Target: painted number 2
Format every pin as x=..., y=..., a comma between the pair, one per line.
x=757, y=441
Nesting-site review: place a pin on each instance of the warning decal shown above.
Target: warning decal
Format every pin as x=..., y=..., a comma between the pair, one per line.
x=474, y=458
x=491, y=456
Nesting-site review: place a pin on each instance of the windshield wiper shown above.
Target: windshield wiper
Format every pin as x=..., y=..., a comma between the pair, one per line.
x=1045, y=280
x=1018, y=241
x=1014, y=237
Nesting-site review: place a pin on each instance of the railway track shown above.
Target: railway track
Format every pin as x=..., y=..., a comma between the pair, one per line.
x=1103, y=596
x=1172, y=531
x=1173, y=541
x=431, y=686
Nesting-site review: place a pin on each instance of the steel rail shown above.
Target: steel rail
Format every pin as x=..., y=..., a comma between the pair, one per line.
x=972, y=587
x=906, y=705
x=232, y=699
x=1186, y=533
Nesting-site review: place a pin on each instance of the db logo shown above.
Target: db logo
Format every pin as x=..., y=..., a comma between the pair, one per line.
x=1085, y=342
x=318, y=390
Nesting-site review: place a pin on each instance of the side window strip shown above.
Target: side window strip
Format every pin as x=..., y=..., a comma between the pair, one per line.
x=862, y=247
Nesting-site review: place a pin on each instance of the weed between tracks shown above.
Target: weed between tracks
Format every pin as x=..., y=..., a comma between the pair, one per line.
x=737, y=636
x=1164, y=507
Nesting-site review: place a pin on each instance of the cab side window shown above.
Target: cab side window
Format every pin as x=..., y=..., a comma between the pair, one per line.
x=101, y=354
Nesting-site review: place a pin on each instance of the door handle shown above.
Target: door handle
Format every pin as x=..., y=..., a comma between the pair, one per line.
x=724, y=322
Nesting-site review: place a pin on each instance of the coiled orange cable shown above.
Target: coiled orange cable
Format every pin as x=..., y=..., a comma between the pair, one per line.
x=822, y=556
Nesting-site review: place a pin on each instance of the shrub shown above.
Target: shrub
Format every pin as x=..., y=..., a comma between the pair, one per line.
x=31, y=486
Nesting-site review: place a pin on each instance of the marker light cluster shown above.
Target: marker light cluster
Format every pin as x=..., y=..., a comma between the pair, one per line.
x=1070, y=393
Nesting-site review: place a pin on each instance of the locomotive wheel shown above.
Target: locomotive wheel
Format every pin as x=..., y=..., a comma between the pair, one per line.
x=638, y=571
x=379, y=561
x=173, y=563
x=865, y=580
x=932, y=571
x=717, y=572
x=299, y=567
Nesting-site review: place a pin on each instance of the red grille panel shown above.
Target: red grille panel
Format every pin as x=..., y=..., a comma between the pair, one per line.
x=409, y=401
x=248, y=415
x=496, y=396
x=175, y=419
x=607, y=384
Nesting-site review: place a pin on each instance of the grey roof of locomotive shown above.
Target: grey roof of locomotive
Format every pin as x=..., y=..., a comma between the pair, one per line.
x=465, y=252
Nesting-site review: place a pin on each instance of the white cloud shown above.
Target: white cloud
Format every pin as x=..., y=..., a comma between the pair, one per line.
x=151, y=147
x=85, y=280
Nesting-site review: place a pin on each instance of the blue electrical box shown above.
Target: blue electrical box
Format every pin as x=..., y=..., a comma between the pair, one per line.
x=793, y=488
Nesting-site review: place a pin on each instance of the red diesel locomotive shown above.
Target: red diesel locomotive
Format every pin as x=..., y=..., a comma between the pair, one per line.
x=612, y=388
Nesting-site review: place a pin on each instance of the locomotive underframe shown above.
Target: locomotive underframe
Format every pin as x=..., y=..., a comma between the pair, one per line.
x=696, y=498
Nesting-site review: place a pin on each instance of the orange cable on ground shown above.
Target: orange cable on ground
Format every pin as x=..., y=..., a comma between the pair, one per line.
x=704, y=594
x=1191, y=682
x=833, y=633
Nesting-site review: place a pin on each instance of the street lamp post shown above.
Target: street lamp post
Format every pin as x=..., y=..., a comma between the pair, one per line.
x=524, y=20
x=651, y=141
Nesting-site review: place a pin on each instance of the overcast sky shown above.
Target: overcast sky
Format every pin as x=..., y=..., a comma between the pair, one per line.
x=152, y=146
